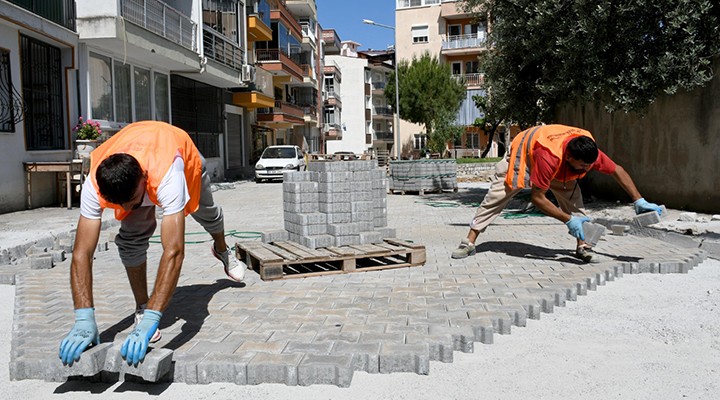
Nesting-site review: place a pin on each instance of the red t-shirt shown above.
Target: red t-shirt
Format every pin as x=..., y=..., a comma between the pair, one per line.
x=543, y=170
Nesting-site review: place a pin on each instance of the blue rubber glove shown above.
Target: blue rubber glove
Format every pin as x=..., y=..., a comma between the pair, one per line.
x=642, y=206
x=136, y=345
x=575, y=227
x=82, y=335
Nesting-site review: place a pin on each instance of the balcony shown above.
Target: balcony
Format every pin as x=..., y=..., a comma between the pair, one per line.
x=308, y=33
x=161, y=19
x=332, y=41
x=471, y=80
x=302, y=8
x=382, y=112
x=257, y=30
x=463, y=44
x=284, y=67
x=333, y=131
x=309, y=76
x=253, y=99
x=60, y=12
x=450, y=10
x=222, y=49
x=311, y=115
x=282, y=14
x=332, y=98
x=378, y=87
x=384, y=136
x=282, y=115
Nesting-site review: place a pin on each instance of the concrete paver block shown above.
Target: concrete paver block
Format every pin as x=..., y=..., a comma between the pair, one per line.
x=273, y=368
x=405, y=358
x=91, y=363
x=325, y=370
x=619, y=230
x=41, y=261
x=645, y=219
x=219, y=367
x=185, y=367
x=157, y=363
x=593, y=233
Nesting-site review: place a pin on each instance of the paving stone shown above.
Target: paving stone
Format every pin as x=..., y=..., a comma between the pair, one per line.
x=185, y=367
x=273, y=368
x=405, y=358
x=157, y=363
x=217, y=367
x=41, y=261
x=326, y=370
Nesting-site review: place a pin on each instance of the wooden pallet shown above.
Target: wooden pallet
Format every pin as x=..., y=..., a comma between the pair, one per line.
x=422, y=192
x=283, y=260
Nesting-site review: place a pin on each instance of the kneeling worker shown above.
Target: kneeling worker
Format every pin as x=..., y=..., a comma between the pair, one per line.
x=146, y=164
x=550, y=157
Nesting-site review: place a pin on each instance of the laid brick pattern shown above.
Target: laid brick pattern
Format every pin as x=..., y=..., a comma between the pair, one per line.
x=320, y=330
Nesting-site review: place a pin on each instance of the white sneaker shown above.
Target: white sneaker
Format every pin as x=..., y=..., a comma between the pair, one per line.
x=234, y=268
x=138, y=317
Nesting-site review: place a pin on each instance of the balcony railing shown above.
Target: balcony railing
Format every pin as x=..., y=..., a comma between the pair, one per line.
x=474, y=79
x=222, y=49
x=284, y=108
x=161, y=19
x=472, y=40
x=384, y=136
x=379, y=85
x=383, y=111
x=60, y=12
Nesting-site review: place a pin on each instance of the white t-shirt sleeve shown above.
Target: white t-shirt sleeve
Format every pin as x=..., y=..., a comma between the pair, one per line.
x=173, y=192
x=89, y=201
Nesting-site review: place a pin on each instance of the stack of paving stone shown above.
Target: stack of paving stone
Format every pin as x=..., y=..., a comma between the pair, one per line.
x=423, y=175
x=334, y=203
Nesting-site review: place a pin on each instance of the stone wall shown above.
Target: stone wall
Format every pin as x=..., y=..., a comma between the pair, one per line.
x=672, y=152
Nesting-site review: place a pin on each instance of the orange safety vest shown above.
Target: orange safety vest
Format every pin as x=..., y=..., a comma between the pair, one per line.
x=551, y=137
x=154, y=144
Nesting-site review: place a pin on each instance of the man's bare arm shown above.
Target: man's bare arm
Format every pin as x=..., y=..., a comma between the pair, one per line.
x=625, y=181
x=81, y=280
x=173, y=241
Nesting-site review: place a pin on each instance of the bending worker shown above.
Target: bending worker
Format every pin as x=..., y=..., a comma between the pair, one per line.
x=146, y=164
x=550, y=157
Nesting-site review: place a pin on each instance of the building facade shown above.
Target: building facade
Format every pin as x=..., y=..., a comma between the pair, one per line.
x=457, y=39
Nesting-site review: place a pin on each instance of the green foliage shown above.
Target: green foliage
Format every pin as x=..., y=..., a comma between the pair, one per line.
x=471, y=160
x=622, y=54
x=429, y=95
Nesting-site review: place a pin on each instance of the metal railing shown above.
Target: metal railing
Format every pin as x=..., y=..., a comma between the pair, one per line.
x=384, y=136
x=161, y=19
x=463, y=41
x=222, y=49
x=60, y=12
x=473, y=79
x=383, y=111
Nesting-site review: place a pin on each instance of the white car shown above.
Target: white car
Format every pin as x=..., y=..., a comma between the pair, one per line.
x=278, y=159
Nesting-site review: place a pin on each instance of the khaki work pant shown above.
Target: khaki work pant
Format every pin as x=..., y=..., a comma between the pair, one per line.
x=499, y=195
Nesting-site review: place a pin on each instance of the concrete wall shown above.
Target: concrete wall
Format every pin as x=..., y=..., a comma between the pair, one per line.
x=672, y=152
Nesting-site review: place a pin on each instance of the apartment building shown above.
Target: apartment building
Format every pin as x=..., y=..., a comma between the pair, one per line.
x=237, y=75
x=456, y=38
x=356, y=80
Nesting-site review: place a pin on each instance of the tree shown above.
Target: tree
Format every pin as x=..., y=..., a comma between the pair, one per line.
x=489, y=123
x=429, y=95
x=622, y=54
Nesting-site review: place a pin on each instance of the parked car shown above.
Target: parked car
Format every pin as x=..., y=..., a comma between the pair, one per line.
x=278, y=159
x=344, y=155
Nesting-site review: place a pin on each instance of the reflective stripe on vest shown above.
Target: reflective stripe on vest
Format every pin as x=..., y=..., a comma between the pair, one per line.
x=551, y=137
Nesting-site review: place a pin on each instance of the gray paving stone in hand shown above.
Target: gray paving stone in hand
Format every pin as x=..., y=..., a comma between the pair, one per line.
x=157, y=363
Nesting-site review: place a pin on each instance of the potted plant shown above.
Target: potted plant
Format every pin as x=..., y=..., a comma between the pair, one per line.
x=87, y=135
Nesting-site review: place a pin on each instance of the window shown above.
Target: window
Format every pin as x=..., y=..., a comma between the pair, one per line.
x=122, y=92
x=420, y=141
x=143, y=97
x=42, y=92
x=456, y=68
x=420, y=34
x=7, y=108
x=471, y=67
x=454, y=30
x=473, y=141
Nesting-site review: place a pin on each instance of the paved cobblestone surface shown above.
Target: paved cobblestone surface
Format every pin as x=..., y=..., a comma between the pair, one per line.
x=321, y=329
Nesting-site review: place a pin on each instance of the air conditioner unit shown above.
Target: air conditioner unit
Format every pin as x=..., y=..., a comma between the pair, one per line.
x=248, y=73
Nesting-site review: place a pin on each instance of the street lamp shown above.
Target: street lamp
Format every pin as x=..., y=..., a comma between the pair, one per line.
x=396, y=128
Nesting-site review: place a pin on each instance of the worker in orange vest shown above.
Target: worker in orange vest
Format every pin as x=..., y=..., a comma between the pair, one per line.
x=550, y=157
x=146, y=164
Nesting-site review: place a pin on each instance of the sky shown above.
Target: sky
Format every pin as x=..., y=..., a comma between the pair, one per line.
x=346, y=16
